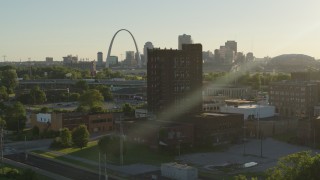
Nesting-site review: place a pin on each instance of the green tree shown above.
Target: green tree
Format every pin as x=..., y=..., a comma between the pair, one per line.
x=96, y=109
x=15, y=117
x=9, y=79
x=128, y=110
x=74, y=96
x=65, y=137
x=82, y=86
x=37, y=96
x=243, y=177
x=301, y=165
x=81, y=109
x=91, y=98
x=80, y=136
x=105, y=91
x=4, y=96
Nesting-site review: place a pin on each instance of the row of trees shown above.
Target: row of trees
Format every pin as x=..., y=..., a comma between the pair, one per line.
x=79, y=137
x=97, y=95
x=256, y=80
x=59, y=72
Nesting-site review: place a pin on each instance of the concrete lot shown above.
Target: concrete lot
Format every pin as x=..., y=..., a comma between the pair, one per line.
x=272, y=151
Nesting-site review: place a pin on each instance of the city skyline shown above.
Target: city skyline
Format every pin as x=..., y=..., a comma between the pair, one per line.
x=36, y=29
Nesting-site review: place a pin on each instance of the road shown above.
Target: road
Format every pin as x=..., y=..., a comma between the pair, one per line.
x=55, y=167
x=21, y=146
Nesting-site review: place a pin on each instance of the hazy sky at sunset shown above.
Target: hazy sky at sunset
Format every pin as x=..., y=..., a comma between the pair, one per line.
x=39, y=28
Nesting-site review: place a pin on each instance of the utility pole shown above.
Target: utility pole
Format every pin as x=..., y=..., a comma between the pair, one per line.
x=121, y=142
x=314, y=137
x=1, y=144
x=99, y=167
x=105, y=167
x=244, y=138
x=260, y=143
x=258, y=130
x=30, y=72
x=4, y=58
x=25, y=148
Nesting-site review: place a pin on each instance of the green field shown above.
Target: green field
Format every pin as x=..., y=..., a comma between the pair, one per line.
x=6, y=167
x=134, y=154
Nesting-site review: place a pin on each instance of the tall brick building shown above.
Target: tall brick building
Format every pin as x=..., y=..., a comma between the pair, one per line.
x=175, y=79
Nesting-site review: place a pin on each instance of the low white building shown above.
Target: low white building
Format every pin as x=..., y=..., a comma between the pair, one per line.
x=250, y=111
x=139, y=113
x=179, y=171
x=44, y=117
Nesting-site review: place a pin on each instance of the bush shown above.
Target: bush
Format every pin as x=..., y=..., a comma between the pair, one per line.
x=10, y=173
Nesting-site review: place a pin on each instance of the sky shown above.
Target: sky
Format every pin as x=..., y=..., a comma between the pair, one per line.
x=37, y=29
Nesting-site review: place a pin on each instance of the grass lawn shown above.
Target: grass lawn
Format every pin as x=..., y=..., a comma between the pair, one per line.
x=5, y=166
x=134, y=154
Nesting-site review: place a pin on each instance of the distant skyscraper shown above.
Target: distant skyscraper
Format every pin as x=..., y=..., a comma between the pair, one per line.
x=174, y=79
x=130, y=59
x=113, y=60
x=184, y=39
x=222, y=52
x=99, y=57
x=249, y=56
x=70, y=59
x=147, y=45
x=232, y=45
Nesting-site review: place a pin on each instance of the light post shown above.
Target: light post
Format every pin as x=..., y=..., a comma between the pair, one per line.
x=244, y=138
x=258, y=129
x=25, y=148
x=260, y=143
x=179, y=146
x=121, y=142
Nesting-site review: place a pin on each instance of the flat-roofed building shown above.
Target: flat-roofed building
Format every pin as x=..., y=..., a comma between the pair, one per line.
x=179, y=171
x=56, y=121
x=294, y=98
x=174, y=79
x=216, y=128
x=250, y=111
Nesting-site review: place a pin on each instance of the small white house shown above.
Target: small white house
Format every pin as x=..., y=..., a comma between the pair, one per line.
x=256, y=111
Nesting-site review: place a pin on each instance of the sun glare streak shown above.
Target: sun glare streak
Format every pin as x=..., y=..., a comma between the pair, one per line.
x=171, y=113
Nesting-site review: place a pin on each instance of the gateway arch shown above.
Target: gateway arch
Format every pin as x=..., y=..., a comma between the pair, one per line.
x=110, y=47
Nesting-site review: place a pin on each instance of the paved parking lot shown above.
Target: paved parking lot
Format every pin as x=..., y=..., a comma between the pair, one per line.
x=272, y=150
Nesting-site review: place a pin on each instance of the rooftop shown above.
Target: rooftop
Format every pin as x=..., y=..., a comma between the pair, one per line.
x=179, y=166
